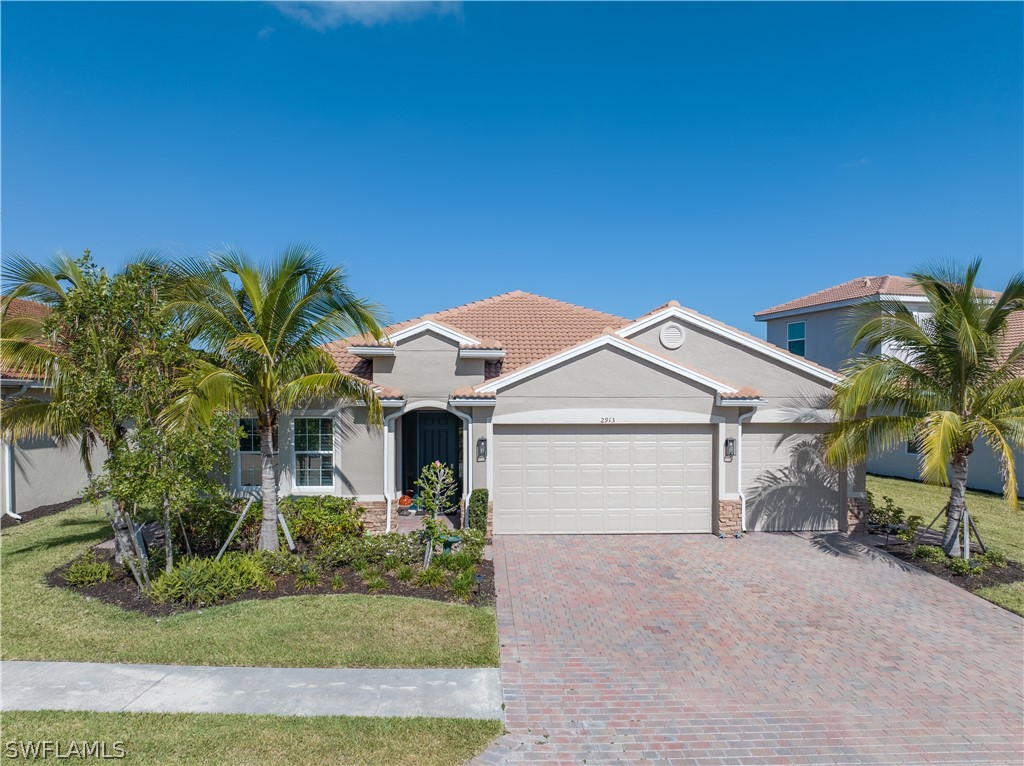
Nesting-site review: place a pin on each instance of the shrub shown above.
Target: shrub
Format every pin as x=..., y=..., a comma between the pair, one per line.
x=431, y=577
x=374, y=582
x=963, y=567
x=86, y=570
x=391, y=563
x=473, y=542
x=478, y=509
x=910, y=527
x=373, y=549
x=308, y=576
x=992, y=558
x=929, y=553
x=887, y=517
x=463, y=584
x=323, y=520
x=281, y=562
x=197, y=581
x=458, y=561
x=404, y=573
x=338, y=583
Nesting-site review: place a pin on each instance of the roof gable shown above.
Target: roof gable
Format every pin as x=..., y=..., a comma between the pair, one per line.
x=685, y=315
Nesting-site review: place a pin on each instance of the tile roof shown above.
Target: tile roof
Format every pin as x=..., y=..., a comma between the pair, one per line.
x=1014, y=333
x=744, y=393
x=854, y=289
x=16, y=309
x=468, y=392
x=528, y=327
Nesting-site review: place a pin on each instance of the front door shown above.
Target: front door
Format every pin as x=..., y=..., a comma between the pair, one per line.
x=433, y=436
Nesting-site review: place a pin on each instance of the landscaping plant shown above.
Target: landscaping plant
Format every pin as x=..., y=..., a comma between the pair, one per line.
x=478, y=500
x=86, y=570
x=437, y=490
x=957, y=377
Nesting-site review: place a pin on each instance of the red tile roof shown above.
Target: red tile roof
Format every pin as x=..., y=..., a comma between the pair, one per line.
x=528, y=327
x=854, y=289
x=744, y=393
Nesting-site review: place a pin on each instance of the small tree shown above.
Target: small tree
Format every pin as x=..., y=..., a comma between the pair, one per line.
x=109, y=354
x=437, y=488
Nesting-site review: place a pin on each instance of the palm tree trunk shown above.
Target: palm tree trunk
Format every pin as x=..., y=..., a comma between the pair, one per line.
x=955, y=509
x=268, y=531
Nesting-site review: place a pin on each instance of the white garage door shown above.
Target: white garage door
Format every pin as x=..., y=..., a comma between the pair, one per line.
x=566, y=479
x=787, y=485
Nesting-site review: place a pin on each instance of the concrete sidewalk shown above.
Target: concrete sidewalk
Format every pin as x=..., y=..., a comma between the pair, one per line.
x=436, y=693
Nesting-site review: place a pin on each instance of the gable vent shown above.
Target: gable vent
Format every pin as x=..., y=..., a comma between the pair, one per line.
x=672, y=336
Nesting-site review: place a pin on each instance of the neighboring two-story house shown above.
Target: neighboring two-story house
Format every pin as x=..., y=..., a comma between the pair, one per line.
x=817, y=327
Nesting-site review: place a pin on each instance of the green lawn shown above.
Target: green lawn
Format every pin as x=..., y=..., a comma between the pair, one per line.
x=180, y=739
x=1001, y=527
x=43, y=623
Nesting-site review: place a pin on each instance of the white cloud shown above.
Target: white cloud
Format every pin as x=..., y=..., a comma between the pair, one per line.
x=862, y=162
x=322, y=16
x=265, y=33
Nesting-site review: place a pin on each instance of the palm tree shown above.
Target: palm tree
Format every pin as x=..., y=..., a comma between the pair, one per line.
x=261, y=326
x=946, y=381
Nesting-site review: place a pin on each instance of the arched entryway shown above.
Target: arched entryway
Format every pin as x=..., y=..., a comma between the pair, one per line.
x=429, y=435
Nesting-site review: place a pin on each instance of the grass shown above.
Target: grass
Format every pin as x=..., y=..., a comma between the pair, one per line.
x=182, y=739
x=1001, y=527
x=302, y=631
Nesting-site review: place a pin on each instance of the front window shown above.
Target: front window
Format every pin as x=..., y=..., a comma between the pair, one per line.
x=249, y=466
x=796, y=337
x=314, y=452
x=913, y=447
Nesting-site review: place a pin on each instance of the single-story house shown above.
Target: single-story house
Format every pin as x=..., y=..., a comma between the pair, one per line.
x=816, y=327
x=35, y=472
x=576, y=421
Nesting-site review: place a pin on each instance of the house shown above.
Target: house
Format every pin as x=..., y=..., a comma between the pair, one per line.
x=576, y=421
x=35, y=472
x=817, y=328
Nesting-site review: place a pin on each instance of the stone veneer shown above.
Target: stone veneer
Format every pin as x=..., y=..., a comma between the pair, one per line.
x=729, y=519
x=376, y=517
x=856, y=515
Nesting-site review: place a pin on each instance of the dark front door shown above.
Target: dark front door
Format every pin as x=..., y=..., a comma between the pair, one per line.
x=433, y=436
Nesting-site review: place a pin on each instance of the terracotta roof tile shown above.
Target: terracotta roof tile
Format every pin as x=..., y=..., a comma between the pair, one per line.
x=1014, y=333
x=468, y=392
x=744, y=393
x=384, y=392
x=528, y=327
x=854, y=289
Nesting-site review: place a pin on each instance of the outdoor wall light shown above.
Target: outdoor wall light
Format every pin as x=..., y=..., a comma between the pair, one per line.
x=730, y=448
x=481, y=449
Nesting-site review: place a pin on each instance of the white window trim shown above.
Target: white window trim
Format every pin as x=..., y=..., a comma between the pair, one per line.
x=791, y=340
x=319, y=489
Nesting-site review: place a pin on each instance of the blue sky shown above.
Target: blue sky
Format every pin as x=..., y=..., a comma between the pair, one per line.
x=729, y=156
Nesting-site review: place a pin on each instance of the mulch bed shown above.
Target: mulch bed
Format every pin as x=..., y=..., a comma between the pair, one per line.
x=123, y=592
x=38, y=513
x=1011, y=573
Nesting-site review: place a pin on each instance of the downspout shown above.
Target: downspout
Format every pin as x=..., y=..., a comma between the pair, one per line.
x=467, y=466
x=739, y=467
x=9, y=484
x=388, y=419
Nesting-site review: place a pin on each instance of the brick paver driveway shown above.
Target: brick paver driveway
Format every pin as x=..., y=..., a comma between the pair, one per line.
x=771, y=649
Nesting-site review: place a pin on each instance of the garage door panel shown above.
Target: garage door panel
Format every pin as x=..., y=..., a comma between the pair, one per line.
x=608, y=479
x=787, y=486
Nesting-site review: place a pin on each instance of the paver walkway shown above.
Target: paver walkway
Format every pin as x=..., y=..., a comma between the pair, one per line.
x=458, y=693
x=773, y=649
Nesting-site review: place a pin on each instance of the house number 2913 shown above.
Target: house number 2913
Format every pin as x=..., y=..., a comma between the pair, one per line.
x=607, y=420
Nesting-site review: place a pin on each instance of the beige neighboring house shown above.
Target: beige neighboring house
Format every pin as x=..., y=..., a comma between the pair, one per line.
x=575, y=421
x=35, y=472
x=816, y=327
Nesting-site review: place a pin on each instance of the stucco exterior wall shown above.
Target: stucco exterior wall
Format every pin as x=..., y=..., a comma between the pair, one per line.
x=44, y=474
x=737, y=365
x=606, y=379
x=827, y=336
x=427, y=366
x=983, y=468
